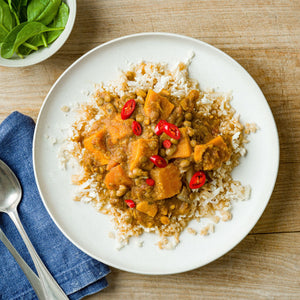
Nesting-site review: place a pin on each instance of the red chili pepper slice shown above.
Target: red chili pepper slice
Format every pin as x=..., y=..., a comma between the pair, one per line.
x=158, y=161
x=159, y=128
x=197, y=180
x=136, y=128
x=128, y=109
x=172, y=131
x=150, y=181
x=130, y=203
x=167, y=144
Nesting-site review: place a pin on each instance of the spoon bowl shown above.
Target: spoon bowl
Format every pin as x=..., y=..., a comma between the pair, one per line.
x=10, y=197
x=11, y=191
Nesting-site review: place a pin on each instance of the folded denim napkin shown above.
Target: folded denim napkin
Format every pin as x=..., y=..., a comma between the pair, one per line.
x=78, y=274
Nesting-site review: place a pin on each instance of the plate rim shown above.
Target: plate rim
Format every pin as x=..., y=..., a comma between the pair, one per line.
x=235, y=63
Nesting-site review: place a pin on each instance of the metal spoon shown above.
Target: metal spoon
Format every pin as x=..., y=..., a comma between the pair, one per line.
x=10, y=197
x=33, y=279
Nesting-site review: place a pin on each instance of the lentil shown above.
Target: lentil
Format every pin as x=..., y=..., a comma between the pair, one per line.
x=187, y=124
x=121, y=191
x=184, y=163
x=193, y=143
x=190, y=131
x=162, y=152
x=107, y=98
x=139, y=118
x=100, y=101
x=173, y=141
x=143, y=159
x=147, y=121
x=130, y=75
x=171, y=150
x=137, y=172
x=110, y=108
x=188, y=116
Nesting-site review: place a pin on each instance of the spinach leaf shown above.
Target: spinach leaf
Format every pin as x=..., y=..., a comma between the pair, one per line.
x=15, y=7
x=35, y=41
x=19, y=9
x=6, y=20
x=20, y=34
x=60, y=20
x=24, y=51
x=10, y=38
x=43, y=11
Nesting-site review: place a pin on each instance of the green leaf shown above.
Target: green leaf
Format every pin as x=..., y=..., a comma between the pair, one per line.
x=15, y=6
x=18, y=8
x=36, y=41
x=10, y=38
x=60, y=20
x=43, y=11
x=21, y=34
x=6, y=20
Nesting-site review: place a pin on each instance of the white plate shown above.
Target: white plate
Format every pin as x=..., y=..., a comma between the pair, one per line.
x=88, y=229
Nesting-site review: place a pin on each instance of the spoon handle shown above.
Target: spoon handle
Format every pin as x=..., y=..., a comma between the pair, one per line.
x=32, y=278
x=51, y=289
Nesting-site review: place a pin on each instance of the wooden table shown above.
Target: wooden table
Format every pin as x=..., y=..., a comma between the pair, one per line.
x=264, y=37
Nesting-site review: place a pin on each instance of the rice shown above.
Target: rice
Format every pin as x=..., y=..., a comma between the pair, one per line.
x=212, y=202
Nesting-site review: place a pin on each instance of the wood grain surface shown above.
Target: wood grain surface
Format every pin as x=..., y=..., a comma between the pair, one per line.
x=264, y=37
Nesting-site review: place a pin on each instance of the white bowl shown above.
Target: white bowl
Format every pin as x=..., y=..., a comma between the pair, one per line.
x=44, y=53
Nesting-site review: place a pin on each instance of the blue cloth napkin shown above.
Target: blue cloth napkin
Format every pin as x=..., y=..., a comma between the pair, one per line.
x=78, y=274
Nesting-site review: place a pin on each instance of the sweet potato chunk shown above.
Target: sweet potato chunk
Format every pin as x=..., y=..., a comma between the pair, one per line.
x=115, y=177
x=165, y=220
x=119, y=129
x=96, y=145
x=188, y=103
x=157, y=107
x=167, y=181
x=212, y=154
x=166, y=107
x=142, y=148
x=111, y=164
x=184, y=148
x=148, y=208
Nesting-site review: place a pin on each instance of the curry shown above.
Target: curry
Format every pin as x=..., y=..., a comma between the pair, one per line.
x=155, y=152
x=141, y=146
